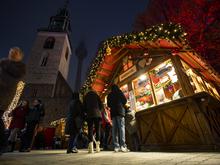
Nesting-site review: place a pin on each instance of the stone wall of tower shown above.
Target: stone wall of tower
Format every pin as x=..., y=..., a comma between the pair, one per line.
x=56, y=106
x=57, y=61
x=49, y=82
x=65, y=59
x=38, y=90
x=48, y=67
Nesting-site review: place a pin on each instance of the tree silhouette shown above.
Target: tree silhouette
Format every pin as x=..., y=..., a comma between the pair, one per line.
x=199, y=18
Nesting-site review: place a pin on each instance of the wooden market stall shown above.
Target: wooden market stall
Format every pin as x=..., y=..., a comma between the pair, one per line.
x=172, y=89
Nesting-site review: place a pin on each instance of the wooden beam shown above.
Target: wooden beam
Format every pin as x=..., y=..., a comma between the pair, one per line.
x=161, y=122
x=120, y=57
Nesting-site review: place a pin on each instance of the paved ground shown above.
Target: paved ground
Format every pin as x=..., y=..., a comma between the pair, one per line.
x=59, y=157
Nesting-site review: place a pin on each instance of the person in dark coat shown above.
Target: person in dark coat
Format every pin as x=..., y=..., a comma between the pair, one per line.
x=18, y=122
x=33, y=118
x=93, y=107
x=74, y=122
x=3, y=140
x=116, y=101
x=12, y=70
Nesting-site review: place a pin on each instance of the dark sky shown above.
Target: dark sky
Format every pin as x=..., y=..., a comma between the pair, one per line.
x=91, y=20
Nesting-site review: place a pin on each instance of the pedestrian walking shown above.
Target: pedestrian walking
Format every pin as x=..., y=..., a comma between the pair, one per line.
x=33, y=118
x=3, y=140
x=74, y=122
x=116, y=101
x=12, y=70
x=93, y=107
x=17, y=123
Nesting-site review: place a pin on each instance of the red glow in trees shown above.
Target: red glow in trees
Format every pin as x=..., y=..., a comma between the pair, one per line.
x=199, y=18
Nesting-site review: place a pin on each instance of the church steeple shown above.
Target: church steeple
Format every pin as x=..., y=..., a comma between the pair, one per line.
x=60, y=22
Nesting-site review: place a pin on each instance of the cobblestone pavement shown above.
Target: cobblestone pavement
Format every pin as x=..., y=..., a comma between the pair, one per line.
x=59, y=157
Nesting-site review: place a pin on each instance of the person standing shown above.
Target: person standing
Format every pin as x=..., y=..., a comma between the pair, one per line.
x=3, y=140
x=18, y=122
x=74, y=122
x=32, y=120
x=106, y=125
x=116, y=101
x=93, y=107
x=12, y=70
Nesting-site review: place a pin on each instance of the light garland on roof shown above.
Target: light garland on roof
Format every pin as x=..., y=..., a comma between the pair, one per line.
x=163, y=31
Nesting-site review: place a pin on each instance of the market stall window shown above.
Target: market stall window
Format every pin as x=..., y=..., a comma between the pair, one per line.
x=165, y=83
x=143, y=92
x=212, y=90
x=199, y=83
x=195, y=80
x=127, y=63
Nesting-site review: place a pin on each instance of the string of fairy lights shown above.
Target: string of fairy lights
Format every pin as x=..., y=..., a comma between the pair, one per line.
x=168, y=31
x=14, y=102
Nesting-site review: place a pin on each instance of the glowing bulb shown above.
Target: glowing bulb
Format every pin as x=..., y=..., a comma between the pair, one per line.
x=143, y=77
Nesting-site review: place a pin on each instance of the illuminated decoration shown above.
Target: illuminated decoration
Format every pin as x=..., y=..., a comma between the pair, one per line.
x=163, y=31
x=143, y=77
x=6, y=118
x=108, y=50
x=57, y=122
x=59, y=125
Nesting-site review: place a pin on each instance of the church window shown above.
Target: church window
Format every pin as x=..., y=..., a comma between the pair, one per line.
x=44, y=59
x=49, y=43
x=34, y=92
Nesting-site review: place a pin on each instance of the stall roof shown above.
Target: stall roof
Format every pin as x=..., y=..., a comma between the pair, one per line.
x=165, y=37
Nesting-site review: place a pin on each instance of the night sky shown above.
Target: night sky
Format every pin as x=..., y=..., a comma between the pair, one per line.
x=91, y=20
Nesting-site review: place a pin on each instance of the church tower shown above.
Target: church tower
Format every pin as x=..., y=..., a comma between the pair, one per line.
x=48, y=66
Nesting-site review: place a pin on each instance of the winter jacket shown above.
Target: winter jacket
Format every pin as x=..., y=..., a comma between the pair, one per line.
x=10, y=74
x=116, y=100
x=92, y=105
x=35, y=114
x=74, y=117
x=3, y=141
x=18, y=117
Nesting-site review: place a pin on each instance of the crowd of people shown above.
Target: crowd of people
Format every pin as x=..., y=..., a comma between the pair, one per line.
x=106, y=122
x=106, y=118
x=25, y=121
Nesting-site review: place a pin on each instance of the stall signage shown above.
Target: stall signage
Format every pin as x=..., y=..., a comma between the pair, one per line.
x=128, y=73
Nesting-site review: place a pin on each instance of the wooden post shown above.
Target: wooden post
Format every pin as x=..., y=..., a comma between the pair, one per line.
x=153, y=89
x=182, y=77
x=192, y=109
